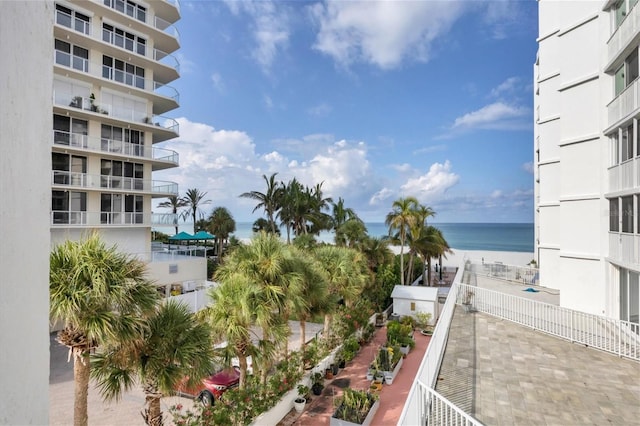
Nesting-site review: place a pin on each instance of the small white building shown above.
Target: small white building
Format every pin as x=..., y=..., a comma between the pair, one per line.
x=409, y=300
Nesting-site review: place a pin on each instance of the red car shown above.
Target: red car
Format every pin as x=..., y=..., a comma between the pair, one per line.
x=212, y=387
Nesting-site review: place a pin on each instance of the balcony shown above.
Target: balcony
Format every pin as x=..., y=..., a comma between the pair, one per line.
x=163, y=128
x=624, y=247
x=98, y=219
x=623, y=36
x=625, y=176
x=66, y=179
x=625, y=104
x=162, y=158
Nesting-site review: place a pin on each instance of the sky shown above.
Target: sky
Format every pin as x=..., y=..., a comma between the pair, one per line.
x=376, y=100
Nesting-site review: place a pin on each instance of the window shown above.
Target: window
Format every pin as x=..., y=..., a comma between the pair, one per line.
x=68, y=169
x=124, y=39
x=114, y=211
x=620, y=10
x=68, y=207
x=118, y=139
x=629, y=296
x=121, y=174
x=627, y=214
x=627, y=143
x=614, y=215
x=70, y=131
x=615, y=149
x=123, y=72
x=128, y=7
x=71, y=19
x=413, y=306
x=631, y=64
x=68, y=55
x=619, y=80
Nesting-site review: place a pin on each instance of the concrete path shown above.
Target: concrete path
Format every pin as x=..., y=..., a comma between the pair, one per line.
x=506, y=374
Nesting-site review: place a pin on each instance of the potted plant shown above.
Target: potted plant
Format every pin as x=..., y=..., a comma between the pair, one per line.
x=423, y=322
x=334, y=369
x=379, y=319
x=371, y=372
x=376, y=386
x=355, y=407
x=317, y=383
x=301, y=400
x=310, y=358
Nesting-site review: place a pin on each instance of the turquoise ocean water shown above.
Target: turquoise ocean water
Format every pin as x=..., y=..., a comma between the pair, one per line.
x=516, y=237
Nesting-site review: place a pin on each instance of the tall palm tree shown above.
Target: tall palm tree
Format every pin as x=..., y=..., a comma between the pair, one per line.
x=376, y=251
x=414, y=236
x=401, y=218
x=193, y=199
x=100, y=295
x=339, y=216
x=174, y=203
x=431, y=244
x=352, y=232
x=172, y=345
x=270, y=201
x=221, y=224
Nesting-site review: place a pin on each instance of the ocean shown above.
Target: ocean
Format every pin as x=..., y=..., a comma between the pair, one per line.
x=516, y=237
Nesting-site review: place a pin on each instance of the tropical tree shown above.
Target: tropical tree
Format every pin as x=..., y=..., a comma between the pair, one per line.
x=376, y=251
x=270, y=201
x=339, y=216
x=174, y=203
x=352, y=232
x=431, y=244
x=400, y=219
x=265, y=266
x=346, y=277
x=172, y=345
x=416, y=230
x=193, y=199
x=100, y=295
x=221, y=224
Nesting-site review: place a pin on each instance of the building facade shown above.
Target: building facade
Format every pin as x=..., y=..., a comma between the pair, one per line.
x=587, y=155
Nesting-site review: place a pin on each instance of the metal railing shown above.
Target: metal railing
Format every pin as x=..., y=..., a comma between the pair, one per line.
x=621, y=338
x=67, y=100
x=84, y=218
x=129, y=184
x=520, y=274
x=166, y=27
x=114, y=147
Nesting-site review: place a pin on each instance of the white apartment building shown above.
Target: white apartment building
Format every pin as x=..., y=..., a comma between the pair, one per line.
x=587, y=154
x=112, y=99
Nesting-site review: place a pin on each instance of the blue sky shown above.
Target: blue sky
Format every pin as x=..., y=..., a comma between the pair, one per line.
x=377, y=99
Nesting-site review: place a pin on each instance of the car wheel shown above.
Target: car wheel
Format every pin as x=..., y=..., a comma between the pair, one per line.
x=206, y=398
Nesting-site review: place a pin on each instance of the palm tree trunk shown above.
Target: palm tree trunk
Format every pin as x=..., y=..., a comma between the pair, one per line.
x=327, y=326
x=429, y=270
x=81, y=369
x=153, y=413
x=425, y=267
x=401, y=261
x=409, y=279
x=303, y=338
x=242, y=361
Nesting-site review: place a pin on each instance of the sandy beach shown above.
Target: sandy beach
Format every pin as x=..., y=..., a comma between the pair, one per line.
x=477, y=256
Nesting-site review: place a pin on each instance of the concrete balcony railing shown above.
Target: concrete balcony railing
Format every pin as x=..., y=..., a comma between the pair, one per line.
x=624, y=247
x=106, y=182
x=84, y=142
x=624, y=176
x=67, y=100
x=624, y=34
x=625, y=104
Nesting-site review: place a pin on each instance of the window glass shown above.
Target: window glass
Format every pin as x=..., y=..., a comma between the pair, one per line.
x=621, y=12
x=627, y=214
x=619, y=81
x=614, y=215
x=615, y=149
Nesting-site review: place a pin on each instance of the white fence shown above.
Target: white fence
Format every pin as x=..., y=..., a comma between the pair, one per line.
x=618, y=337
x=520, y=274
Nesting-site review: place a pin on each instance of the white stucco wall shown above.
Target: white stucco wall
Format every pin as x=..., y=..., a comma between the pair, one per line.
x=187, y=269
x=26, y=46
x=403, y=307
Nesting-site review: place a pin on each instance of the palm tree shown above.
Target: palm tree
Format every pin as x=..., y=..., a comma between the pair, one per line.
x=231, y=316
x=401, y=218
x=221, y=224
x=269, y=201
x=174, y=203
x=377, y=252
x=339, y=216
x=101, y=296
x=172, y=345
x=431, y=244
x=352, y=232
x=193, y=199
x=265, y=266
x=416, y=230
x=344, y=268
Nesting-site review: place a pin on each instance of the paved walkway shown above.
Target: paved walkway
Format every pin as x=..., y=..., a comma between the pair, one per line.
x=392, y=397
x=506, y=374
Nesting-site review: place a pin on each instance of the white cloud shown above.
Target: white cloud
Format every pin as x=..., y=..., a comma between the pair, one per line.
x=506, y=87
x=528, y=167
x=497, y=115
x=268, y=102
x=434, y=183
x=321, y=110
x=216, y=78
x=382, y=33
x=402, y=168
x=381, y=196
x=269, y=26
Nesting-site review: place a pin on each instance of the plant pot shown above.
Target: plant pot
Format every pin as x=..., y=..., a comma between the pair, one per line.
x=369, y=375
x=334, y=369
x=299, y=404
x=388, y=379
x=328, y=374
x=376, y=386
x=342, y=363
x=426, y=332
x=379, y=377
x=317, y=389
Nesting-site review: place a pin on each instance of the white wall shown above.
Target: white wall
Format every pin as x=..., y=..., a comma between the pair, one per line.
x=188, y=269
x=403, y=307
x=26, y=46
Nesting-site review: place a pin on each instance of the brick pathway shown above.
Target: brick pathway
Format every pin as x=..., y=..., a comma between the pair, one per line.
x=319, y=410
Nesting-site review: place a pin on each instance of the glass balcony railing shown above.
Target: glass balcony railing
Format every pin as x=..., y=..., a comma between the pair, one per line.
x=78, y=23
x=88, y=104
x=111, y=146
x=108, y=182
x=85, y=218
